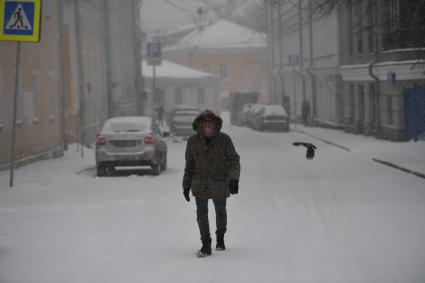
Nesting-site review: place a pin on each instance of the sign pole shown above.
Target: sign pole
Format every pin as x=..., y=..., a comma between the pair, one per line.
x=15, y=110
x=153, y=85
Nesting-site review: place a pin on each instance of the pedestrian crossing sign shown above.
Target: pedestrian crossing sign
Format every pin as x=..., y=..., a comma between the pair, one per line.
x=20, y=20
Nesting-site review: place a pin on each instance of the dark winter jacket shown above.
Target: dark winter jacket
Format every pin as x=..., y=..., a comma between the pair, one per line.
x=209, y=168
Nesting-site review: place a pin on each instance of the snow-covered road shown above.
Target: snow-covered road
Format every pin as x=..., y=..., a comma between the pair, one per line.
x=338, y=218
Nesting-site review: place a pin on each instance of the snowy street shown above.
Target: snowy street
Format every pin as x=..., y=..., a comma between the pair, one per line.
x=340, y=217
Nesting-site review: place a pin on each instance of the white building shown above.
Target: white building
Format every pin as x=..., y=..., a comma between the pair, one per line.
x=177, y=84
x=304, y=61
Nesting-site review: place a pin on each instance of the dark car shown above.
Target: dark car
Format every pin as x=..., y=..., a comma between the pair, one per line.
x=273, y=118
x=182, y=119
x=244, y=114
x=130, y=141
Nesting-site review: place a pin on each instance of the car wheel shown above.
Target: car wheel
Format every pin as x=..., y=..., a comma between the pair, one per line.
x=156, y=167
x=111, y=171
x=164, y=163
x=100, y=171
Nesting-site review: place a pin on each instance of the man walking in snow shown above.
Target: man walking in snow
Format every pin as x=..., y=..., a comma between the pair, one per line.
x=211, y=172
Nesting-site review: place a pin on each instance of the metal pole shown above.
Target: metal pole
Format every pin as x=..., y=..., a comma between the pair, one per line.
x=15, y=109
x=61, y=59
x=153, y=85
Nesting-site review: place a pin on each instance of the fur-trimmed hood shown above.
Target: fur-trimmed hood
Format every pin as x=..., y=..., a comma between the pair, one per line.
x=197, y=123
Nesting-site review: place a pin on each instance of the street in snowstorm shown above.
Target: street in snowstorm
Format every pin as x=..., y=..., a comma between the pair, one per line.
x=340, y=217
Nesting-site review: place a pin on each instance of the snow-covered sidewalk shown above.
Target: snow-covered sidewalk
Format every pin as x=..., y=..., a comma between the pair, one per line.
x=407, y=155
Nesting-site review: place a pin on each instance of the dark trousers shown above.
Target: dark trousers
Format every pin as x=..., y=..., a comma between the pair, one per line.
x=220, y=217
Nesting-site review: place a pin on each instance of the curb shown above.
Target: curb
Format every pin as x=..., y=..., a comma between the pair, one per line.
x=389, y=164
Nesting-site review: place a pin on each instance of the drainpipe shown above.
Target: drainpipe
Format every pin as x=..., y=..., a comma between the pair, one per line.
x=62, y=76
x=370, y=69
x=309, y=69
x=281, y=77
x=109, y=99
x=272, y=57
x=301, y=45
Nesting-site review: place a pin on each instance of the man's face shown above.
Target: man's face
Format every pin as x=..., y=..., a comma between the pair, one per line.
x=208, y=127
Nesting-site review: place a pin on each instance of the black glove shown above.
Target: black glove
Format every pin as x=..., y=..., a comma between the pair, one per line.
x=186, y=193
x=234, y=186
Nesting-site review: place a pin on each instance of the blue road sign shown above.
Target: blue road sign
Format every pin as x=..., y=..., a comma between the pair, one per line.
x=19, y=20
x=154, y=50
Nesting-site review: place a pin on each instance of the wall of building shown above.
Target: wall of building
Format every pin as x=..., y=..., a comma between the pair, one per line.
x=64, y=81
x=167, y=89
x=124, y=56
x=246, y=68
x=38, y=132
x=372, y=107
x=304, y=62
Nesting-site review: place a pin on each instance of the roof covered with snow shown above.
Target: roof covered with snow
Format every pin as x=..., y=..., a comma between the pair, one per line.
x=222, y=34
x=172, y=70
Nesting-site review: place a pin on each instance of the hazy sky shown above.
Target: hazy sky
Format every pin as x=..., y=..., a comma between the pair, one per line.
x=158, y=14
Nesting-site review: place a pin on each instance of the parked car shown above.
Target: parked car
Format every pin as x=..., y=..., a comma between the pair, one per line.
x=274, y=118
x=182, y=120
x=131, y=141
x=253, y=115
x=244, y=114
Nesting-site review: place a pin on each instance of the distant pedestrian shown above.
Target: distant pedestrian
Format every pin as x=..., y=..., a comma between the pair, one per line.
x=211, y=172
x=160, y=114
x=305, y=112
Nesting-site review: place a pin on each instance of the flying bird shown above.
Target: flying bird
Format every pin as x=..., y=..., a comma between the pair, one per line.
x=310, y=148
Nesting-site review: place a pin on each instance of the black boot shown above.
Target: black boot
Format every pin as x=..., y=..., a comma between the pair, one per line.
x=206, y=249
x=220, y=243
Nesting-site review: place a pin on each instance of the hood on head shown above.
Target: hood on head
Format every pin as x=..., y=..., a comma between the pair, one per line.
x=197, y=123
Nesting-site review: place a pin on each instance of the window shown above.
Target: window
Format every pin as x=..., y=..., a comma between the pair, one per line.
x=351, y=100
x=350, y=28
x=359, y=27
x=389, y=110
x=392, y=37
x=223, y=72
x=370, y=26
x=179, y=96
x=201, y=96
x=205, y=68
x=36, y=95
x=372, y=102
x=52, y=98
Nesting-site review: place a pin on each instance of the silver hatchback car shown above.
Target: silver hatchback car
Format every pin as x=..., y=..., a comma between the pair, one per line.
x=131, y=141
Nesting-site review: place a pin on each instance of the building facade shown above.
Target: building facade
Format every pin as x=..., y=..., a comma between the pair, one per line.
x=303, y=63
x=380, y=57
x=177, y=84
x=39, y=112
x=234, y=54
x=81, y=72
x=351, y=66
